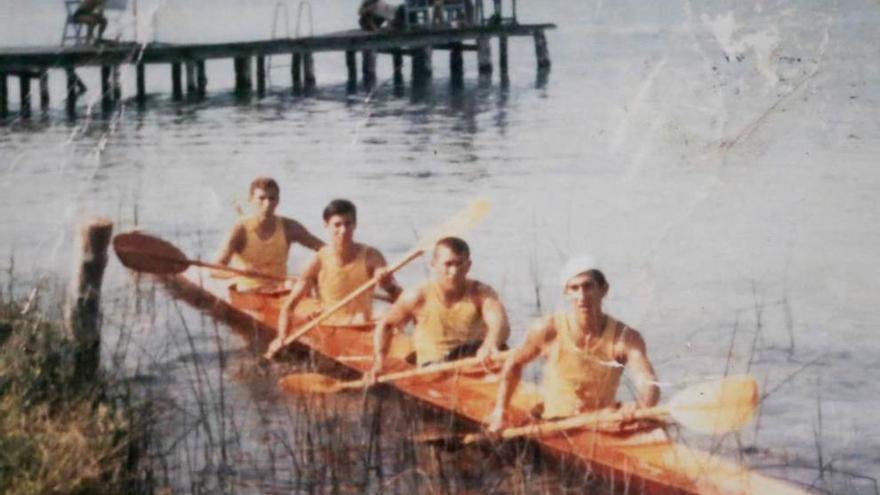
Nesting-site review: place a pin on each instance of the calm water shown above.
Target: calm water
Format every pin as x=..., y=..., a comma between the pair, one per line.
x=719, y=158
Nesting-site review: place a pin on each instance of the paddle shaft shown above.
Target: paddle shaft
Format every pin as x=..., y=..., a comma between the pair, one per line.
x=427, y=370
x=290, y=339
x=246, y=273
x=579, y=421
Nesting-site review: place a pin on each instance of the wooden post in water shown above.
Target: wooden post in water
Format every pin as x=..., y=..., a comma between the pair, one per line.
x=542, y=55
x=502, y=59
x=201, y=79
x=24, y=85
x=456, y=65
x=309, y=69
x=397, y=60
x=484, y=56
x=4, y=96
x=114, y=83
x=141, y=83
x=106, y=95
x=421, y=66
x=261, y=76
x=44, y=90
x=368, y=59
x=296, y=71
x=192, y=84
x=351, y=69
x=243, y=82
x=176, y=82
x=72, y=91
x=84, y=312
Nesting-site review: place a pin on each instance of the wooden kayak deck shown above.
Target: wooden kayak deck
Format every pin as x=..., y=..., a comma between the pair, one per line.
x=637, y=463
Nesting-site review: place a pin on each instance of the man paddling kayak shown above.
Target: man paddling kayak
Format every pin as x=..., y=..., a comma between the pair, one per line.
x=261, y=242
x=586, y=351
x=454, y=316
x=337, y=270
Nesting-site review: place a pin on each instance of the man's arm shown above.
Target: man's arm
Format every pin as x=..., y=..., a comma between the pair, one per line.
x=295, y=232
x=299, y=290
x=541, y=335
x=378, y=268
x=401, y=312
x=643, y=372
x=495, y=317
x=234, y=243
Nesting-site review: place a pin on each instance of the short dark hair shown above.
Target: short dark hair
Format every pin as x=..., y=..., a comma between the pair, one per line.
x=454, y=244
x=599, y=277
x=340, y=207
x=264, y=183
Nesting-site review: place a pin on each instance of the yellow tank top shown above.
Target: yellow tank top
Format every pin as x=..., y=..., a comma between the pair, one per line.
x=439, y=328
x=267, y=256
x=577, y=379
x=336, y=281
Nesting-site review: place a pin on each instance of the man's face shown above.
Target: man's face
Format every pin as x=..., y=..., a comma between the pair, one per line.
x=265, y=201
x=341, y=229
x=585, y=293
x=450, y=269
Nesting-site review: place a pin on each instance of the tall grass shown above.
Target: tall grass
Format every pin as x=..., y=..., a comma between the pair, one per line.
x=59, y=434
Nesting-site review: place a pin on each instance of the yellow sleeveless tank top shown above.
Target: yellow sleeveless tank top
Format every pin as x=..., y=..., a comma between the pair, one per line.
x=439, y=328
x=336, y=281
x=267, y=256
x=577, y=379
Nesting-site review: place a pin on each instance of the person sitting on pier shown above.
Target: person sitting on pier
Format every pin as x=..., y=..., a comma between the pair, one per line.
x=455, y=316
x=261, y=242
x=372, y=14
x=586, y=351
x=339, y=269
x=91, y=13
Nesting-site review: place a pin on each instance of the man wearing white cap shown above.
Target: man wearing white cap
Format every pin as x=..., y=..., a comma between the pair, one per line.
x=586, y=351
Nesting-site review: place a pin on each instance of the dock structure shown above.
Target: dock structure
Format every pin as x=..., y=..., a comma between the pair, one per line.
x=187, y=61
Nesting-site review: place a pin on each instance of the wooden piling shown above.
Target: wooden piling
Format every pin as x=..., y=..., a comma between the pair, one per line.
x=296, y=73
x=309, y=70
x=243, y=83
x=72, y=92
x=542, y=55
x=351, y=69
x=502, y=58
x=176, y=82
x=456, y=65
x=24, y=84
x=114, y=84
x=421, y=66
x=83, y=316
x=44, y=90
x=484, y=56
x=141, y=84
x=368, y=61
x=397, y=60
x=192, y=84
x=201, y=79
x=261, y=76
x=4, y=96
x=106, y=94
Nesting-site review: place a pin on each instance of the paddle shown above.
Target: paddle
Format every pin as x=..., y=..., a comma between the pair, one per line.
x=712, y=407
x=146, y=253
x=316, y=383
x=457, y=225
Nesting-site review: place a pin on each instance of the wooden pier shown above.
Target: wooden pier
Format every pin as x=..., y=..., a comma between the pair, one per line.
x=187, y=62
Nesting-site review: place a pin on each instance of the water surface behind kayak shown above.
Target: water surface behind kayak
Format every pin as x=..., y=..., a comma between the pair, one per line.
x=719, y=158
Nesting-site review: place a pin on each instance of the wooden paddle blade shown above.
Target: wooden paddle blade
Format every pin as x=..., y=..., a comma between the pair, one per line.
x=716, y=407
x=311, y=383
x=458, y=225
x=145, y=253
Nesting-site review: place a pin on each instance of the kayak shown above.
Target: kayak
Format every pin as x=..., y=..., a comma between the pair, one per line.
x=640, y=461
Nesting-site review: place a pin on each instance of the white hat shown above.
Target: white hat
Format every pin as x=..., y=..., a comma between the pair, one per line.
x=575, y=266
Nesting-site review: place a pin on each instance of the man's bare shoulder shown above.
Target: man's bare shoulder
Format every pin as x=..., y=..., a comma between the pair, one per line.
x=629, y=337
x=482, y=290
